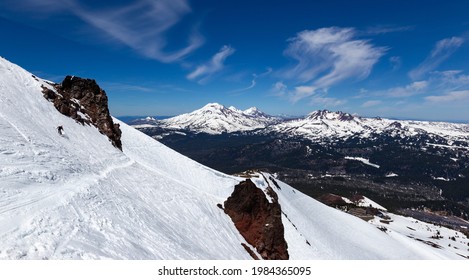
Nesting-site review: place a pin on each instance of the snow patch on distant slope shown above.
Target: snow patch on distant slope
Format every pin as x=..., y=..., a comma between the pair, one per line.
x=437, y=239
x=363, y=160
x=366, y=202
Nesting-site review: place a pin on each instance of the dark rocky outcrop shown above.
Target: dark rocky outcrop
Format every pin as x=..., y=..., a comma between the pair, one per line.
x=332, y=200
x=396, y=124
x=84, y=101
x=258, y=220
x=345, y=117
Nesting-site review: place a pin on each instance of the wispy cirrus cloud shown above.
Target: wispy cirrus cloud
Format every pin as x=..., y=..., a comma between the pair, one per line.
x=205, y=71
x=371, y=103
x=450, y=80
x=317, y=97
x=411, y=89
x=395, y=62
x=452, y=96
x=147, y=87
x=113, y=86
x=442, y=50
x=279, y=89
x=326, y=102
x=328, y=56
x=253, y=81
x=44, y=6
x=252, y=85
x=438, y=82
x=384, y=29
x=141, y=25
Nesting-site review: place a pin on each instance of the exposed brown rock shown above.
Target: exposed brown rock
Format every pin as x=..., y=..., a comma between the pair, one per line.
x=356, y=198
x=332, y=200
x=258, y=220
x=77, y=95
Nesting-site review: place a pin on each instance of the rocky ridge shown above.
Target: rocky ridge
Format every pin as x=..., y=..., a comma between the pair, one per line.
x=84, y=101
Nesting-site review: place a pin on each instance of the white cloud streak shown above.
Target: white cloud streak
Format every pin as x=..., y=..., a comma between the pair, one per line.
x=253, y=81
x=371, y=103
x=411, y=89
x=301, y=92
x=437, y=83
x=203, y=72
x=442, y=50
x=328, y=56
x=113, y=86
x=141, y=25
x=279, y=89
x=317, y=97
x=252, y=85
x=396, y=62
x=453, y=96
x=384, y=29
x=450, y=80
x=326, y=102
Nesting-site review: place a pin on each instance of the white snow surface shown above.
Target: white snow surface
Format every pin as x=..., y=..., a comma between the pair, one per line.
x=366, y=202
x=364, y=160
x=215, y=118
x=77, y=197
x=440, y=240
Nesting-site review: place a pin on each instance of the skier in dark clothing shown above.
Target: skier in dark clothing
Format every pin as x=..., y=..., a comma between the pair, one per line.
x=60, y=129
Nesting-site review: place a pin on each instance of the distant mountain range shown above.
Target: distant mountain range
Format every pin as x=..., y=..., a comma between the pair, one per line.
x=215, y=118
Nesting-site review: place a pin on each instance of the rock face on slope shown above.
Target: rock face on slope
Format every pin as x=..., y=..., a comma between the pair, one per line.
x=84, y=101
x=258, y=220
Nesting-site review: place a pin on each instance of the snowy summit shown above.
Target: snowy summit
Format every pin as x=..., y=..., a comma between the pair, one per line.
x=215, y=118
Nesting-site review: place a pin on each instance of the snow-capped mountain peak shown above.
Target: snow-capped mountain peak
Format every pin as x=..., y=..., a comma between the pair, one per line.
x=252, y=111
x=233, y=108
x=215, y=118
x=213, y=107
x=324, y=124
x=328, y=115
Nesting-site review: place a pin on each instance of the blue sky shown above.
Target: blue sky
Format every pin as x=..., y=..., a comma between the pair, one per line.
x=403, y=59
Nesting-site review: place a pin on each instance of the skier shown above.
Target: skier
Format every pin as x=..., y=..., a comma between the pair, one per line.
x=60, y=129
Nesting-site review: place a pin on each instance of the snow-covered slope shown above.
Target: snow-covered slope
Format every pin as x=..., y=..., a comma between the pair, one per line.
x=214, y=118
x=260, y=116
x=77, y=197
x=323, y=124
x=441, y=238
